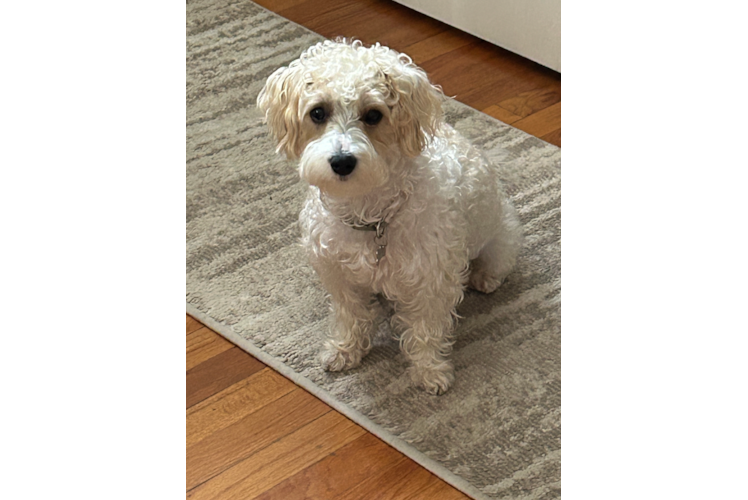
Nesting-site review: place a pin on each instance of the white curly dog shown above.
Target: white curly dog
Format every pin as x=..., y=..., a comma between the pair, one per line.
x=400, y=204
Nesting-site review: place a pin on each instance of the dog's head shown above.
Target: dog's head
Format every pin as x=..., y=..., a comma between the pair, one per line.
x=349, y=113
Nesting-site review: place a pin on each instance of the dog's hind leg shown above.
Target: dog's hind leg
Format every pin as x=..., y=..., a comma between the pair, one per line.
x=489, y=270
x=498, y=257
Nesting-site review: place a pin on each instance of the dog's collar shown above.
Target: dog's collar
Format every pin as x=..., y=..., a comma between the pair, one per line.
x=374, y=226
x=380, y=237
x=380, y=230
x=378, y=226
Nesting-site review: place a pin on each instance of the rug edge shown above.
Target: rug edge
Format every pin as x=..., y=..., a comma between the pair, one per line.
x=403, y=447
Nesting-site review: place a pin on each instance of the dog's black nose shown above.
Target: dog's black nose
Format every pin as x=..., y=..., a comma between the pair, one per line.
x=343, y=163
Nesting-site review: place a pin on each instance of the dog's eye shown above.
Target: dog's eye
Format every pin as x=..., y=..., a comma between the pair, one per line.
x=372, y=117
x=318, y=115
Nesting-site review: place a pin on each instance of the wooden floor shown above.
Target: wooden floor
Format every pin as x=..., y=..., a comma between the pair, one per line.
x=251, y=433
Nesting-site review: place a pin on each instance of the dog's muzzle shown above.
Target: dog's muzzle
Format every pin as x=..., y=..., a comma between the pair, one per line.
x=343, y=163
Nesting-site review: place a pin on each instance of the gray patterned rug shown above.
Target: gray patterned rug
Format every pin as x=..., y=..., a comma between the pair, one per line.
x=496, y=433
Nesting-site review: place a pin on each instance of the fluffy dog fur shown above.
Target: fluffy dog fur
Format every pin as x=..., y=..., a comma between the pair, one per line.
x=447, y=222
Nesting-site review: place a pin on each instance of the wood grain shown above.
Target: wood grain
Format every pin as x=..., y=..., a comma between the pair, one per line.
x=278, y=5
x=338, y=472
x=203, y=344
x=553, y=137
x=370, y=21
x=233, y=443
x=437, y=45
x=501, y=114
x=480, y=74
x=235, y=403
x=526, y=103
x=405, y=480
x=273, y=464
x=250, y=432
x=192, y=324
x=541, y=123
x=218, y=373
x=440, y=490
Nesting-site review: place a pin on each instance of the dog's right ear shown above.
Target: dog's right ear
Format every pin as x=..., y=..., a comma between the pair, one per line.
x=279, y=102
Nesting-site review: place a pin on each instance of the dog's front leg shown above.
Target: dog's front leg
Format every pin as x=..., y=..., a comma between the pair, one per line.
x=349, y=338
x=427, y=321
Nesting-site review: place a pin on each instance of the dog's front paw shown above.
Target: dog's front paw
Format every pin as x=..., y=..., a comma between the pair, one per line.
x=335, y=360
x=434, y=380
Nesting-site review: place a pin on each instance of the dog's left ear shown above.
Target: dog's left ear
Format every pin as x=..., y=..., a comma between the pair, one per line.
x=417, y=112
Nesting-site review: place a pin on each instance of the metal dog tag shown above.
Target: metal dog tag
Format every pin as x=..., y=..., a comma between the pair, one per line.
x=381, y=250
x=381, y=240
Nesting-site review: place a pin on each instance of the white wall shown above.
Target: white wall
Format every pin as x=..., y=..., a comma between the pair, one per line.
x=530, y=28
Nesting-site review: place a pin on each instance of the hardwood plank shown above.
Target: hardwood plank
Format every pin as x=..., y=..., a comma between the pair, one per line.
x=397, y=28
x=192, y=324
x=313, y=14
x=541, y=123
x=553, y=137
x=218, y=373
x=459, y=70
x=480, y=74
x=278, y=5
x=370, y=21
x=230, y=445
x=501, y=114
x=405, y=479
x=271, y=465
x=370, y=486
x=437, y=45
x=338, y=472
x=440, y=490
x=203, y=344
x=235, y=403
x=526, y=103
x=306, y=12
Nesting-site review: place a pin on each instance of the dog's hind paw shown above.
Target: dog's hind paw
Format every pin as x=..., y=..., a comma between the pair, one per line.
x=485, y=282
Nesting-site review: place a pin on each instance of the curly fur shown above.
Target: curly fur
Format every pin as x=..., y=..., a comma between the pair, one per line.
x=449, y=223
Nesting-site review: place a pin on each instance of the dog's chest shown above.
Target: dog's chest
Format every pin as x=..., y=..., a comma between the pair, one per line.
x=392, y=274
x=363, y=261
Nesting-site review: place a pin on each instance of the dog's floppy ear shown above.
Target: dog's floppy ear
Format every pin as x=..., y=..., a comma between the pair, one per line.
x=417, y=112
x=279, y=102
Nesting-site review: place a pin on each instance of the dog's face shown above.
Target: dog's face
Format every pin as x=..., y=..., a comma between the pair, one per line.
x=349, y=114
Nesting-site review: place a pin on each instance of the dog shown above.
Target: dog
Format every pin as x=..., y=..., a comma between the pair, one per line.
x=399, y=203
